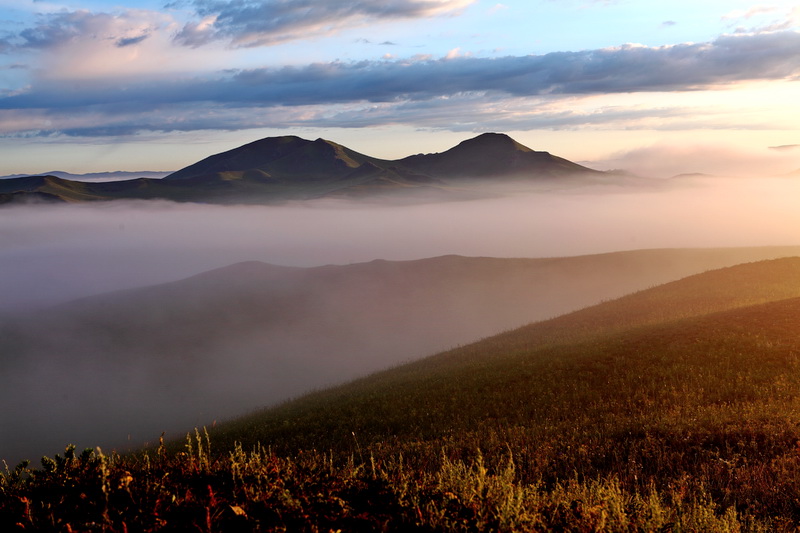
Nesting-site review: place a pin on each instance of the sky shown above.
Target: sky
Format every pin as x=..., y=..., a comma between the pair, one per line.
x=658, y=88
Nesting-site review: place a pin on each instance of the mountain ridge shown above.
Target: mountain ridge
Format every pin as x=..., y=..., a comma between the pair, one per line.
x=275, y=169
x=115, y=175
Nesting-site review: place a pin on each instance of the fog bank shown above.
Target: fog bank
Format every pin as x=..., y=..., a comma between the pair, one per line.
x=176, y=355
x=50, y=254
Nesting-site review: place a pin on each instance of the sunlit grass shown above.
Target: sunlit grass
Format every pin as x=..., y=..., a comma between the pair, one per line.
x=257, y=490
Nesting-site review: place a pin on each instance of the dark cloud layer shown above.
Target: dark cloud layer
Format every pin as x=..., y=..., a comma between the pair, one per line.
x=130, y=41
x=465, y=113
x=58, y=28
x=613, y=70
x=629, y=68
x=785, y=147
x=259, y=22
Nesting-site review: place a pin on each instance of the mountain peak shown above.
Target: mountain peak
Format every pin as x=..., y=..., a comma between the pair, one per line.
x=493, y=141
x=493, y=155
x=249, y=156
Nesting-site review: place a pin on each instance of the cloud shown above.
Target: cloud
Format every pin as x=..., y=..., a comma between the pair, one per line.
x=669, y=159
x=785, y=147
x=58, y=253
x=55, y=30
x=249, y=23
x=129, y=41
x=392, y=90
x=461, y=113
x=766, y=18
x=628, y=68
x=86, y=45
x=749, y=13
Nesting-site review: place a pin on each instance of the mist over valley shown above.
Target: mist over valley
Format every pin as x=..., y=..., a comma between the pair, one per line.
x=128, y=318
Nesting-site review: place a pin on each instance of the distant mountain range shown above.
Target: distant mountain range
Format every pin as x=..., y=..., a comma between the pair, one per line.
x=95, y=176
x=291, y=168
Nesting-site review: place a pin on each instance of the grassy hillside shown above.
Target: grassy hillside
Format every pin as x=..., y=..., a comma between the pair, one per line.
x=674, y=409
x=120, y=368
x=701, y=394
x=694, y=341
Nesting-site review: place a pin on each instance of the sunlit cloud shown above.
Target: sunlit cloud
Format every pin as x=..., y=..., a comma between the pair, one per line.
x=750, y=13
x=470, y=112
x=670, y=159
x=249, y=23
x=497, y=8
x=763, y=19
x=86, y=45
x=785, y=147
x=624, y=69
x=196, y=66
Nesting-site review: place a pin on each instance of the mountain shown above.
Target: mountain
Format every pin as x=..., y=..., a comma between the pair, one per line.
x=52, y=189
x=182, y=354
x=493, y=155
x=289, y=167
x=292, y=159
x=44, y=188
x=546, y=372
x=276, y=158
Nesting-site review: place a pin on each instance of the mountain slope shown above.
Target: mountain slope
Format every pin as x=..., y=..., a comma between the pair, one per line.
x=686, y=419
x=581, y=372
x=279, y=158
x=52, y=189
x=45, y=188
x=494, y=155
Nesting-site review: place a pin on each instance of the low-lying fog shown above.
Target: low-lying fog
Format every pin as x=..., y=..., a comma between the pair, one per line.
x=54, y=253
x=136, y=363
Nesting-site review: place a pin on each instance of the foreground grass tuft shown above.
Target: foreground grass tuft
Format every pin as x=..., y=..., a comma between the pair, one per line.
x=257, y=490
